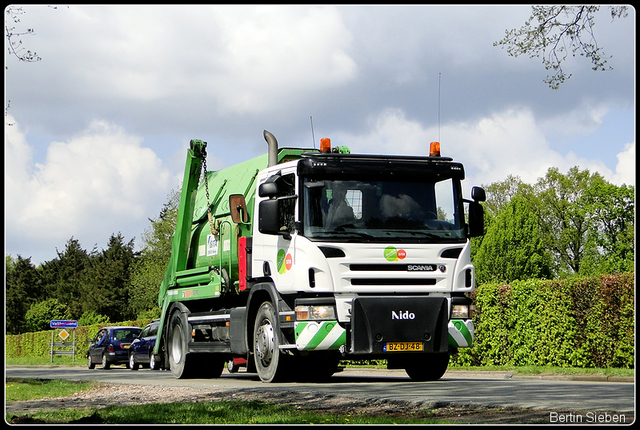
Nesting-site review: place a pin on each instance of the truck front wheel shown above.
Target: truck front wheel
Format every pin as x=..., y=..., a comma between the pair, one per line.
x=266, y=345
x=428, y=367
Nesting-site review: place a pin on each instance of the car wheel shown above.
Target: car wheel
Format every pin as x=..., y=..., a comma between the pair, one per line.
x=132, y=362
x=232, y=368
x=90, y=364
x=105, y=363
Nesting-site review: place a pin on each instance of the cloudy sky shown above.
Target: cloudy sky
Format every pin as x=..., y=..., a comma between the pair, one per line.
x=96, y=132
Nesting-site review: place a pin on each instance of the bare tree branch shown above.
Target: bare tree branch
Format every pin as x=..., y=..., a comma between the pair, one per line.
x=560, y=31
x=14, y=36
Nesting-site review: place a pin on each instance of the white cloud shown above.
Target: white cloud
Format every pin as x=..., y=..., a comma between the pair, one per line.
x=277, y=53
x=626, y=167
x=491, y=148
x=241, y=59
x=102, y=181
x=581, y=121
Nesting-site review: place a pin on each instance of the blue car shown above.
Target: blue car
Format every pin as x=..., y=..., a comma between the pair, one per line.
x=141, y=350
x=111, y=346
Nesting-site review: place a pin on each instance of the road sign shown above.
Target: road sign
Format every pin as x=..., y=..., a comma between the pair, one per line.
x=63, y=324
x=64, y=334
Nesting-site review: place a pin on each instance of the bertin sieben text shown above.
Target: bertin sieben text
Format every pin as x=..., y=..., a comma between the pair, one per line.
x=588, y=418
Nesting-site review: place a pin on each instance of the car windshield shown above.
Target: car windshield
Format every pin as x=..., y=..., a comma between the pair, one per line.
x=383, y=210
x=126, y=335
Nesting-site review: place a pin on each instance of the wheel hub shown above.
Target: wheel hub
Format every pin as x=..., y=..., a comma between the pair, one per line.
x=176, y=345
x=264, y=342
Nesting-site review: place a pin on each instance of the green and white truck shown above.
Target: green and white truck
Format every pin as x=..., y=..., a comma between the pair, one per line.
x=299, y=258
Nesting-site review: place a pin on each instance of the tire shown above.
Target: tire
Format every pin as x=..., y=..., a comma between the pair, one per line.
x=316, y=368
x=132, y=362
x=429, y=367
x=153, y=363
x=105, y=363
x=266, y=345
x=90, y=364
x=177, y=347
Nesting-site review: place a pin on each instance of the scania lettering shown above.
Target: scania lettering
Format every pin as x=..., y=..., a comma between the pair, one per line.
x=300, y=258
x=421, y=268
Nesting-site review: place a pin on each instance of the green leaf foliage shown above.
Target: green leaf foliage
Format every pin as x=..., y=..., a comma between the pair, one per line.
x=40, y=314
x=576, y=322
x=91, y=317
x=512, y=247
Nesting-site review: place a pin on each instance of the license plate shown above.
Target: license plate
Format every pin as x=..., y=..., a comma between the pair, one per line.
x=402, y=346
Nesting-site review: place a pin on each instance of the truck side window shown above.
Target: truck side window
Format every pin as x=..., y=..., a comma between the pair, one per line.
x=286, y=187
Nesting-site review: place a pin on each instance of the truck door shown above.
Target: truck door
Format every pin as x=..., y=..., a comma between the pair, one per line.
x=274, y=254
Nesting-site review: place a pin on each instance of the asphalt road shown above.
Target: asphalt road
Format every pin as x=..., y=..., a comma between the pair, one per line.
x=455, y=388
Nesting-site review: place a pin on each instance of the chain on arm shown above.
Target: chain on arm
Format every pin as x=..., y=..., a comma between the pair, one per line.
x=206, y=188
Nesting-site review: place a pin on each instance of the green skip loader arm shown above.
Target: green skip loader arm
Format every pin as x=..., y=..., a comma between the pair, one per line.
x=180, y=242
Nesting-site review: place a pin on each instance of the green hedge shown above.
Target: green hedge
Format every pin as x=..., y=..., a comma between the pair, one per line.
x=580, y=322
x=38, y=344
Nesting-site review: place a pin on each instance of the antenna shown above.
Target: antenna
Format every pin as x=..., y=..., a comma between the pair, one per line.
x=439, y=77
x=313, y=136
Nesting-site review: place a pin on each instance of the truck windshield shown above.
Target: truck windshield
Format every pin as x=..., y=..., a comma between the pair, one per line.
x=383, y=211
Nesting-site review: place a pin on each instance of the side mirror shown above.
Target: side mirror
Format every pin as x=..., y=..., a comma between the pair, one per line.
x=269, y=217
x=478, y=194
x=268, y=189
x=476, y=219
x=238, y=208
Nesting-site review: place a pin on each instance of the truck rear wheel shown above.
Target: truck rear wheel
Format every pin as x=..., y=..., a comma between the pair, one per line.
x=266, y=344
x=429, y=367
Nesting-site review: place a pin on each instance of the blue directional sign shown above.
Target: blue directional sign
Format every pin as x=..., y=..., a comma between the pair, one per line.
x=63, y=324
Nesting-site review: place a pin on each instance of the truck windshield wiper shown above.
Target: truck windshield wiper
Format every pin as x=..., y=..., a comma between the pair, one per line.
x=416, y=233
x=342, y=232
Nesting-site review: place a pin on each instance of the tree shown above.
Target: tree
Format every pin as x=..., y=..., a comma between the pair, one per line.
x=14, y=35
x=90, y=318
x=563, y=215
x=23, y=288
x=554, y=32
x=512, y=247
x=65, y=276
x=499, y=194
x=40, y=314
x=585, y=226
x=612, y=210
x=108, y=288
x=150, y=268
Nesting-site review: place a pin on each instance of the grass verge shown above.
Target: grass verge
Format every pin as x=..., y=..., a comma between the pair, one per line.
x=218, y=412
x=29, y=389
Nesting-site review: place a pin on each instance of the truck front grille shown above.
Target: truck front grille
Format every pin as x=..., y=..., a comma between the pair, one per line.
x=393, y=281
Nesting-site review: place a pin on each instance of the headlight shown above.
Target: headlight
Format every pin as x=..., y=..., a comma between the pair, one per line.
x=461, y=311
x=315, y=312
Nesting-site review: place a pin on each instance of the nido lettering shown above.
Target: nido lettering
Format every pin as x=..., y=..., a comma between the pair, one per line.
x=402, y=315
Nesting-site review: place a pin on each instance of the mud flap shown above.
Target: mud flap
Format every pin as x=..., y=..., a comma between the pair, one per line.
x=375, y=321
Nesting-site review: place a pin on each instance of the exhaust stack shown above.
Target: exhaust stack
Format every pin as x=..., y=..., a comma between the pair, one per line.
x=273, y=148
